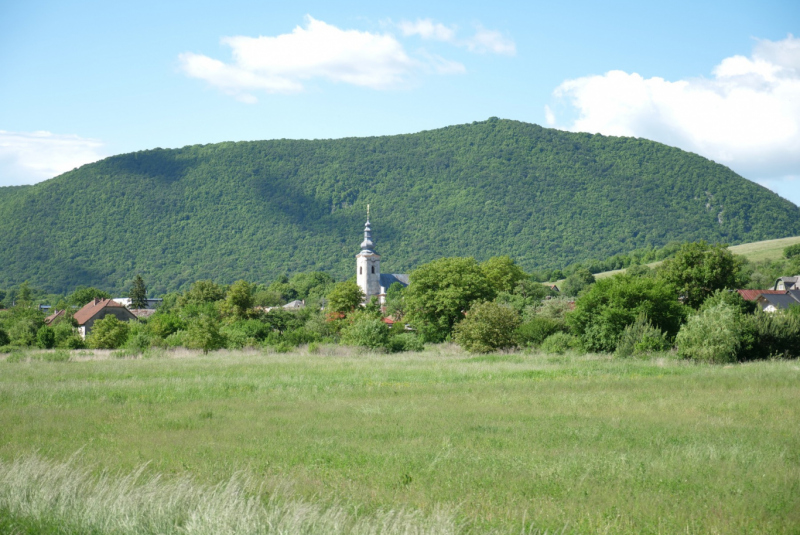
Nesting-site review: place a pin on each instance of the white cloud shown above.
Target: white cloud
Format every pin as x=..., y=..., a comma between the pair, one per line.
x=491, y=41
x=427, y=29
x=30, y=157
x=482, y=41
x=747, y=116
x=283, y=64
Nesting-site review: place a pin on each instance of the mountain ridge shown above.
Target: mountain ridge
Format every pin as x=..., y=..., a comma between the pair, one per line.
x=257, y=209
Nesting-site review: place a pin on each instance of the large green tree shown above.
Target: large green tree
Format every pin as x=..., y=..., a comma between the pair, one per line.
x=441, y=291
x=239, y=299
x=503, y=273
x=83, y=295
x=610, y=305
x=345, y=297
x=699, y=269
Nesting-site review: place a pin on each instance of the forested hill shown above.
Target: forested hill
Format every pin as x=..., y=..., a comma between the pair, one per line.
x=255, y=210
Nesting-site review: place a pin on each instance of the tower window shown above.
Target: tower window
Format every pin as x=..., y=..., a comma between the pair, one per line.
x=373, y=269
x=360, y=270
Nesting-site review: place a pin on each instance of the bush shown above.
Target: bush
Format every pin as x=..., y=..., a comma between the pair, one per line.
x=487, y=327
x=731, y=298
x=536, y=330
x=139, y=338
x=45, y=337
x=63, y=331
x=163, y=325
x=792, y=251
x=770, y=335
x=23, y=332
x=108, y=333
x=561, y=342
x=366, y=332
x=74, y=342
x=4, y=339
x=640, y=338
x=405, y=342
x=713, y=335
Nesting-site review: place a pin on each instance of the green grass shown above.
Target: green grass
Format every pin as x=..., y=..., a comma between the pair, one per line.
x=755, y=252
x=505, y=443
x=764, y=250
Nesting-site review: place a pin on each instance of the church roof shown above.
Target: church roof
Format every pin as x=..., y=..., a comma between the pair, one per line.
x=388, y=278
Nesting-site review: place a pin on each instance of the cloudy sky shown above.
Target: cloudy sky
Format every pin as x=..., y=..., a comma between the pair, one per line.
x=81, y=80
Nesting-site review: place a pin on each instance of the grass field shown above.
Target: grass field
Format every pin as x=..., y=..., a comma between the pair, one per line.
x=755, y=252
x=431, y=442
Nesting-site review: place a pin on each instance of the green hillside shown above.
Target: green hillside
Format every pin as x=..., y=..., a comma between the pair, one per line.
x=255, y=210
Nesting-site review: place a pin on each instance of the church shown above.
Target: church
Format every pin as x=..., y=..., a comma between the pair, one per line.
x=368, y=269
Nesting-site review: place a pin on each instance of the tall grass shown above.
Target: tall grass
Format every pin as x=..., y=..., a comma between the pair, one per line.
x=507, y=442
x=37, y=494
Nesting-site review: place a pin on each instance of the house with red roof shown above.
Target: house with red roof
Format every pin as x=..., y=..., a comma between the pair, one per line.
x=97, y=309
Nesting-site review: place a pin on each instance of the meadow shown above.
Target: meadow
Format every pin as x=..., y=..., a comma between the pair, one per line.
x=440, y=441
x=754, y=252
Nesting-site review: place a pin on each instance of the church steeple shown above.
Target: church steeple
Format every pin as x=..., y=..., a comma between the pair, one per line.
x=368, y=265
x=367, y=246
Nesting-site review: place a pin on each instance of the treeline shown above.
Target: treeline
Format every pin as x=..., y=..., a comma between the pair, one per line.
x=687, y=303
x=255, y=210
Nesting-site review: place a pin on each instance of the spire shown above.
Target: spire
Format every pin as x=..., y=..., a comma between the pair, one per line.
x=367, y=245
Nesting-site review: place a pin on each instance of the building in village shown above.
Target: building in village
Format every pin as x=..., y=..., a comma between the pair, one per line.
x=772, y=302
x=368, y=269
x=788, y=283
x=97, y=309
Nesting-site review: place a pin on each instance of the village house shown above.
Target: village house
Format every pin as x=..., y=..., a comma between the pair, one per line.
x=97, y=309
x=788, y=283
x=772, y=302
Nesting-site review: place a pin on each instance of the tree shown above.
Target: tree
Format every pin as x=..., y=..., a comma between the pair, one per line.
x=108, y=333
x=85, y=294
x=487, y=327
x=240, y=298
x=203, y=333
x=24, y=295
x=440, y=292
x=603, y=312
x=204, y=291
x=138, y=293
x=578, y=281
x=345, y=297
x=395, y=300
x=698, y=269
x=311, y=284
x=792, y=251
x=502, y=273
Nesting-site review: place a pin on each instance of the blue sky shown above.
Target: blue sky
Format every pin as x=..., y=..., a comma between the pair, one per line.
x=84, y=80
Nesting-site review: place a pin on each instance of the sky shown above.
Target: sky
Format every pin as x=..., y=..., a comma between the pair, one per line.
x=82, y=80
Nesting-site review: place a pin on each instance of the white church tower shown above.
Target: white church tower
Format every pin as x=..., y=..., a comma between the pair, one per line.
x=368, y=265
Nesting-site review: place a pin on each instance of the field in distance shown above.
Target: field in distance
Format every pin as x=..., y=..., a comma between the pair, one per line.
x=440, y=441
x=755, y=252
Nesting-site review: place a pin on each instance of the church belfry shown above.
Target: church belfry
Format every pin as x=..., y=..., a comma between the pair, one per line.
x=368, y=265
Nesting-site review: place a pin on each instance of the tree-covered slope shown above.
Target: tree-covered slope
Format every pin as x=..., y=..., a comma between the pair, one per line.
x=255, y=210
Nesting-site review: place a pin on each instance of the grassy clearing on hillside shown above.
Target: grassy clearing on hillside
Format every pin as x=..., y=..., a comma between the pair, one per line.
x=764, y=250
x=755, y=252
x=504, y=442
